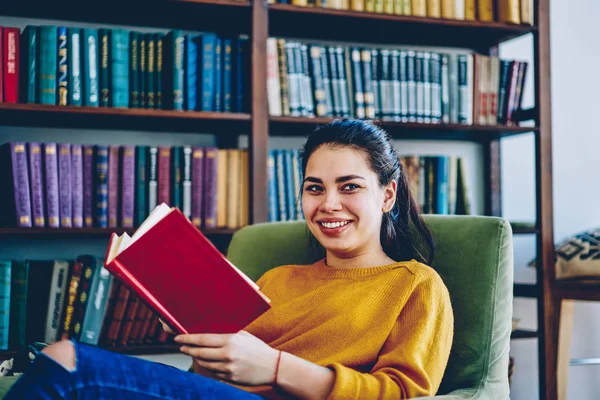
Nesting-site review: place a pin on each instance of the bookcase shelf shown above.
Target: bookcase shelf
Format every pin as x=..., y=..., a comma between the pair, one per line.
x=352, y=26
x=293, y=126
x=524, y=334
x=122, y=118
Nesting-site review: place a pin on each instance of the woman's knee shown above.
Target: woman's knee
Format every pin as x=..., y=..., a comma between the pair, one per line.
x=62, y=352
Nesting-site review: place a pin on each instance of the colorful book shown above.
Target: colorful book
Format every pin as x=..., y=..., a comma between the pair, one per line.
x=14, y=178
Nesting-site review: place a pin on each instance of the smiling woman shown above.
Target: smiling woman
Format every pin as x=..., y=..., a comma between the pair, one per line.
x=370, y=320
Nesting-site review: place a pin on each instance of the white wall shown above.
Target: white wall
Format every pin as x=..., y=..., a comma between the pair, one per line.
x=575, y=81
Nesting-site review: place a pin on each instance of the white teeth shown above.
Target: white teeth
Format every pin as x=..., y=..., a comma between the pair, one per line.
x=332, y=225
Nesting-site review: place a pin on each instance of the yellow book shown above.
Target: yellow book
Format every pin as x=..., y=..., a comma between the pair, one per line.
x=470, y=10
x=357, y=5
x=370, y=5
x=449, y=9
x=379, y=6
x=388, y=6
x=244, y=189
x=434, y=8
x=485, y=10
x=222, y=188
x=508, y=11
x=419, y=8
x=407, y=7
x=300, y=3
x=233, y=188
x=398, y=7
x=345, y=4
x=526, y=15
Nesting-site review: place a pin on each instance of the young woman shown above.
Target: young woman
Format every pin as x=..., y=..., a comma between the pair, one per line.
x=371, y=320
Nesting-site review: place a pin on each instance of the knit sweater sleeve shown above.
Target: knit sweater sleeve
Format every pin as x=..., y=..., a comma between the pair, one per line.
x=413, y=358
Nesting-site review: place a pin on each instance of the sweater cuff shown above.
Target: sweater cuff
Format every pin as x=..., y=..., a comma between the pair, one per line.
x=344, y=385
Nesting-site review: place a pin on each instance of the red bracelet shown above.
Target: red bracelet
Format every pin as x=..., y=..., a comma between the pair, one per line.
x=277, y=369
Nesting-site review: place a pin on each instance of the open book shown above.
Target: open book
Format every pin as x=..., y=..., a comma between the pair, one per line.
x=178, y=272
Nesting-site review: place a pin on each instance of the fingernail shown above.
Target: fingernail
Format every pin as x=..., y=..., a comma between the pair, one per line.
x=177, y=338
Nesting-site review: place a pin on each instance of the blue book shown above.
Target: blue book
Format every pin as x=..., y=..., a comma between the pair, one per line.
x=96, y=305
x=227, y=97
x=281, y=194
x=290, y=198
x=191, y=72
x=89, y=60
x=442, y=185
x=218, y=75
x=5, y=277
x=62, y=81
x=207, y=44
x=272, y=187
x=29, y=62
x=297, y=166
x=241, y=72
x=119, y=68
x=74, y=66
x=101, y=180
x=48, y=64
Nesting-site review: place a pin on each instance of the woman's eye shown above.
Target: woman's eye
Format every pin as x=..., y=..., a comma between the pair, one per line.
x=350, y=187
x=313, y=188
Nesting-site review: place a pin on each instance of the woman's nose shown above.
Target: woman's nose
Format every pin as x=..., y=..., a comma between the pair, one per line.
x=331, y=202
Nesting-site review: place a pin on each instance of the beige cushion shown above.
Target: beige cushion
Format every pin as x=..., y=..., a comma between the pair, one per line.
x=579, y=256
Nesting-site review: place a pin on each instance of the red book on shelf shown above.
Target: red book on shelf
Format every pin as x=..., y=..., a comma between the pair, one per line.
x=180, y=274
x=10, y=39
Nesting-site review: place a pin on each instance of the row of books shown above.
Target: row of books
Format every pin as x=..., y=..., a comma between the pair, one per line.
x=49, y=300
x=438, y=183
x=69, y=185
x=510, y=11
x=125, y=69
x=392, y=84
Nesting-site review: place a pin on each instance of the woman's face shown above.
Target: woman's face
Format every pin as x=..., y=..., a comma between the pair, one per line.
x=343, y=202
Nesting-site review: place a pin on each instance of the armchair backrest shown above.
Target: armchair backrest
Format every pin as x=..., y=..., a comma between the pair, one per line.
x=474, y=257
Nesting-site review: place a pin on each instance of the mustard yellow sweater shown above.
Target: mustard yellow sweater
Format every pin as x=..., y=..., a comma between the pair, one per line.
x=385, y=331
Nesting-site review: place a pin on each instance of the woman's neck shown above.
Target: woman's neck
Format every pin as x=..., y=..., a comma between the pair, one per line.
x=358, y=260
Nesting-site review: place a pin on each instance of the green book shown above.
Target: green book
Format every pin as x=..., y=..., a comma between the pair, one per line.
x=176, y=178
x=48, y=64
x=18, y=304
x=141, y=184
x=134, y=70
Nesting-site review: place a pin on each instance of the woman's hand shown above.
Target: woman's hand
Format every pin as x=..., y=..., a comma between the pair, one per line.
x=240, y=358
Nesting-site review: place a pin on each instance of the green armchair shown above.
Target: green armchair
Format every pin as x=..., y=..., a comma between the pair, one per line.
x=474, y=257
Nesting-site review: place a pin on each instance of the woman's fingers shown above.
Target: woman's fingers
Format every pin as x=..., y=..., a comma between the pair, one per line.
x=204, y=339
x=206, y=353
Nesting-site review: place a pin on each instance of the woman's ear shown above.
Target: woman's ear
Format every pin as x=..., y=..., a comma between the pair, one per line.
x=389, y=196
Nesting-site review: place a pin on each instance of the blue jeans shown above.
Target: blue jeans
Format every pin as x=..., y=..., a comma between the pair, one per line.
x=101, y=374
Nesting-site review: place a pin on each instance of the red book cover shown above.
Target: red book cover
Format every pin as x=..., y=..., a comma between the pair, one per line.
x=1, y=65
x=177, y=271
x=10, y=39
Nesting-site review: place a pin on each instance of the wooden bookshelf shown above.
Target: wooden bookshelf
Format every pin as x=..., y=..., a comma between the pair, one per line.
x=294, y=126
x=260, y=20
x=39, y=115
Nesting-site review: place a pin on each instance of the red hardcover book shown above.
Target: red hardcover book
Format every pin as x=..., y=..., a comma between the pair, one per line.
x=1, y=65
x=10, y=68
x=178, y=272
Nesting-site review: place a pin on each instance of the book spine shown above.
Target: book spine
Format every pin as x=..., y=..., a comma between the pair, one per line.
x=127, y=186
x=64, y=185
x=403, y=77
x=227, y=75
x=272, y=188
x=91, y=85
x=445, y=88
x=158, y=102
x=164, y=175
x=297, y=173
x=131, y=309
x=5, y=279
x=191, y=72
x=218, y=76
x=11, y=65
x=122, y=298
x=221, y=192
x=102, y=186
x=83, y=293
x=77, y=184
x=74, y=66
x=197, y=185
x=37, y=190
x=367, y=78
x=376, y=78
x=47, y=57
x=436, y=88
x=96, y=306
x=357, y=80
x=138, y=323
x=104, y=36
x=56, y=300
x=152, y=178
x=29, y=64
x=385, y=85
x=133, y=70
x=463, y=88
x=307, y=85
x=207, y=84
x=18, y=304
x=176, y=177
x=293, y=85
x=321, y=106
x=174, y=48
x=289, y=187
x=63, y=67
x=210, y=187
x=141, y=182
x=113, y=186
x=187, y=182
x=142, y=62
x=119, y=65
x=395, y=85
x=281, y=186
x=71, y=299
x=232, y=212
x=150, y=70
x=51, y=174
x=88, y=186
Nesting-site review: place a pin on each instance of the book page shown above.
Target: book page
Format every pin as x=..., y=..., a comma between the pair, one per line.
x=155, y=216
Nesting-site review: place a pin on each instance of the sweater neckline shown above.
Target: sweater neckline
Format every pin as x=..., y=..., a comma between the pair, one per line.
x=323, y=270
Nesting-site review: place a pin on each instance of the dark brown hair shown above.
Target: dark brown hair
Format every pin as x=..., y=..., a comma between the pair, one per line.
x=404, y=235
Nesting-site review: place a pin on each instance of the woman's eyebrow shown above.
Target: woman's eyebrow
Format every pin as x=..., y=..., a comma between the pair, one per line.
x=341, y=179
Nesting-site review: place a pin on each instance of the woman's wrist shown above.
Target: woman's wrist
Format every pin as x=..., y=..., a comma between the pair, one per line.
x=277, y=364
